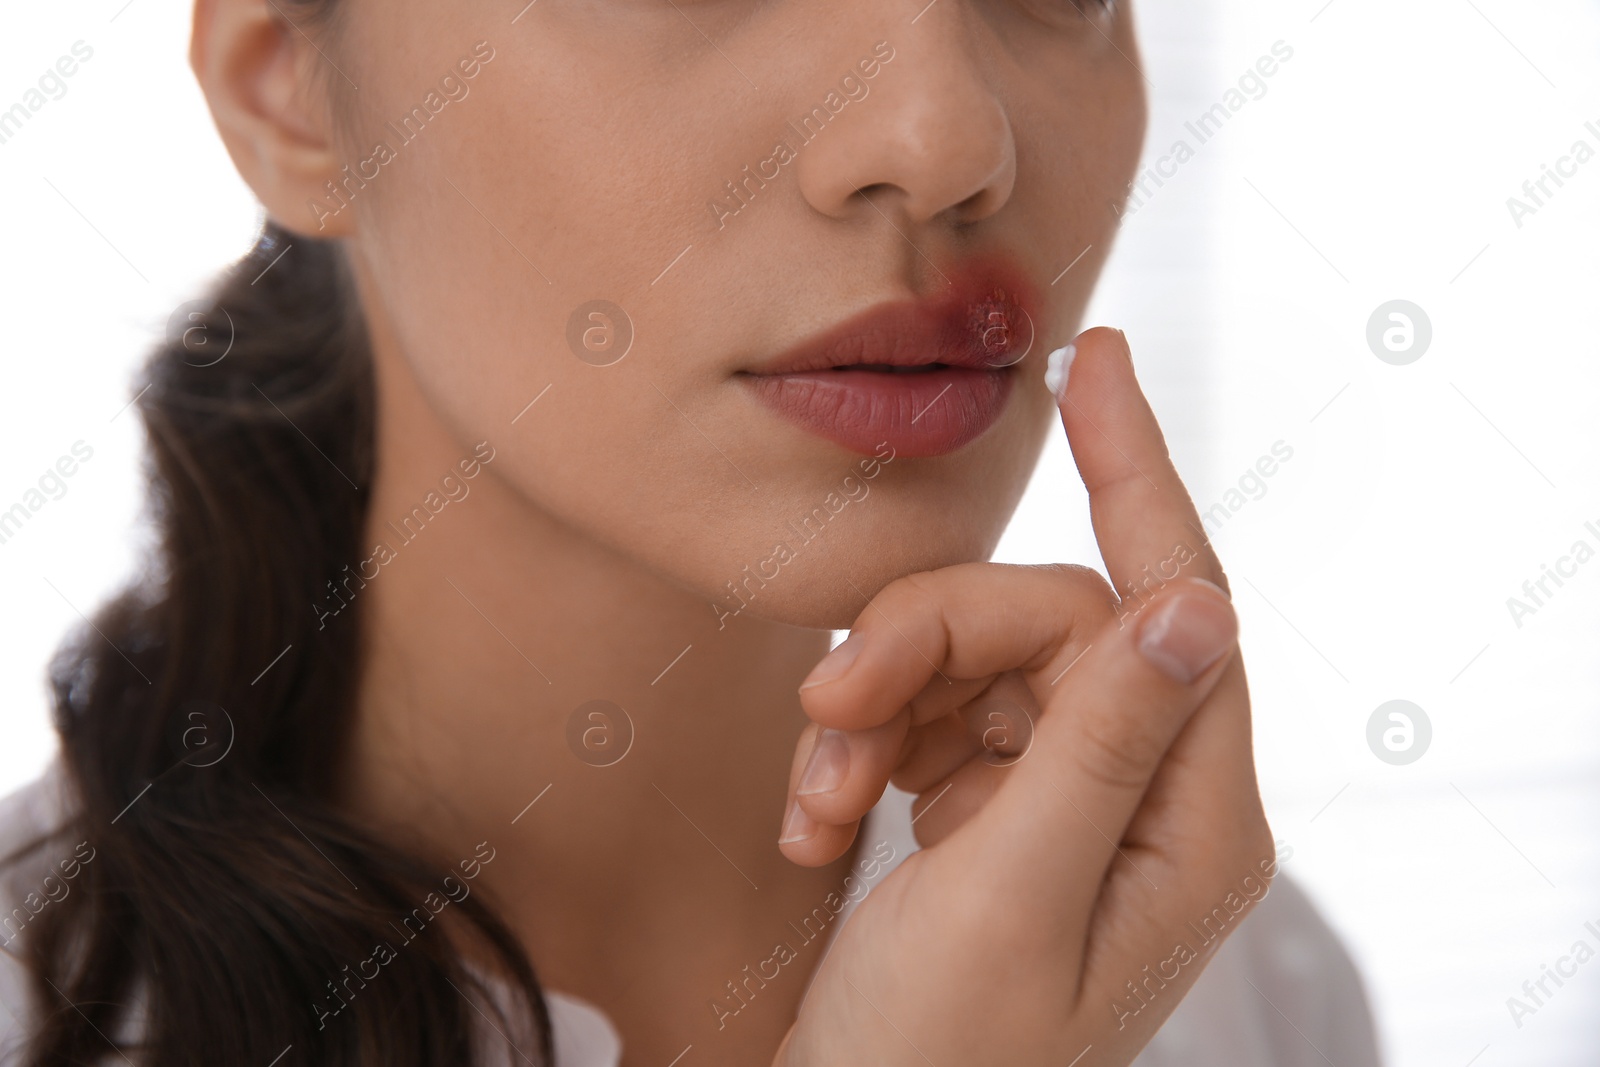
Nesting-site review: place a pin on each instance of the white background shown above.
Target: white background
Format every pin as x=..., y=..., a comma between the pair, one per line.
x=1376, y=565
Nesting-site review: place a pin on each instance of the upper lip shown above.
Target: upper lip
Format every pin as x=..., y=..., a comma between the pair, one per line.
x=982, y=320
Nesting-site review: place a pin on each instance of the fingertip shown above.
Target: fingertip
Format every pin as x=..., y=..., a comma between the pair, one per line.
x=1060, y=361
x=829, y=695
x=1221, y=589
x=855, y=686
x=798, y=826
x=827, y=766
x=837, y=663
x=1089, y=356
x=846, y=771
x=821, y=844
x=1097, y=337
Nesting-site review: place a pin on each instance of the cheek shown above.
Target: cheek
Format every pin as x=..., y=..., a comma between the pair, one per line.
x=1076, y=160
x=1078, y=147
x=482, y=248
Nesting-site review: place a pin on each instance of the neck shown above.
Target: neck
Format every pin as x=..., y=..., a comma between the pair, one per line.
x=504, y=658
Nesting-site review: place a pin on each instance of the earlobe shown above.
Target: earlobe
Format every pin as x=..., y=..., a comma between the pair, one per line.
x=274, y=117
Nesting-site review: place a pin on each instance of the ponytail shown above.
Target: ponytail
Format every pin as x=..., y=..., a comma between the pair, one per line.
x=202, y=722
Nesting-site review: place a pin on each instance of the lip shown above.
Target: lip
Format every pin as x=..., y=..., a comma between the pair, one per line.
x=965, y=342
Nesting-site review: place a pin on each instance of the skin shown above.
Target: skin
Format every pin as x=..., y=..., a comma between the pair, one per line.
x=615, y=509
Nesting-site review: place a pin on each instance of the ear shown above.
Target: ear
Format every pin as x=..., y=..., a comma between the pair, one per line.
x=274, y=119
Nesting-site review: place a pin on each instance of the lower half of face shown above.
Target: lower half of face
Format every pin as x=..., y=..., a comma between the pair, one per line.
x=778, y=280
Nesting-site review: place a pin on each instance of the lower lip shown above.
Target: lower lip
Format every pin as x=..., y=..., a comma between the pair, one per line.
x=927, y=413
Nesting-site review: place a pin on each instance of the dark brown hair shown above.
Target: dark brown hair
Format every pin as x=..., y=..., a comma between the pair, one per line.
x=202, y=719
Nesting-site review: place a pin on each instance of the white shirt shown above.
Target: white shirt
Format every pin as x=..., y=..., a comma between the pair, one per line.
x=1317, y=1012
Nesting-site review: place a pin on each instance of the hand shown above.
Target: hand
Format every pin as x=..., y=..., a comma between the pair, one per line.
x=1047, y=918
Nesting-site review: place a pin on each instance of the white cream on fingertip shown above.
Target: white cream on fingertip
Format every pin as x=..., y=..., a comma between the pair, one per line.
x=1056, y=366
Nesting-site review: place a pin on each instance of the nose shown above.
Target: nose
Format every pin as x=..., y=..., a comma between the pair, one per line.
x=929, y=141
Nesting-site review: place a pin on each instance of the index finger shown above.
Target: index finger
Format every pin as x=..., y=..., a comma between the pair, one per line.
x=1146, y=525
x=1149, y=533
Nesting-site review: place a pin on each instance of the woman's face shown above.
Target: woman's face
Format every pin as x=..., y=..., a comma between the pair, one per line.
x=734, y=180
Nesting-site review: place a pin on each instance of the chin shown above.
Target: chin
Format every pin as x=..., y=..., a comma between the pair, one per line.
x=827, y=587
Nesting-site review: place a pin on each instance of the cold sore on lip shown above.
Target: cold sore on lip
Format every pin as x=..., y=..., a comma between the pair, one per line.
x=926, y=376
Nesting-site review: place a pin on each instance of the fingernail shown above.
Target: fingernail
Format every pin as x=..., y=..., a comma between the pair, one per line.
x=1186, y=634
x=826, y=768
x=797, y=826
x=835, y=663
x=1056, y=366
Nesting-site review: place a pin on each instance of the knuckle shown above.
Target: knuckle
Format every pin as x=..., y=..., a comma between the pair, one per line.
x=1086, y=583
x=913, y=588
x=931, y=582
x=1078, y=603
x=907, y=600
x=1109, y=754
x=918, y=595
x=1261, y=848
x=1247, y=859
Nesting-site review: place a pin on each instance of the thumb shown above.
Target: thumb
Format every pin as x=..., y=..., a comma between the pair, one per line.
x=1107, y=725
